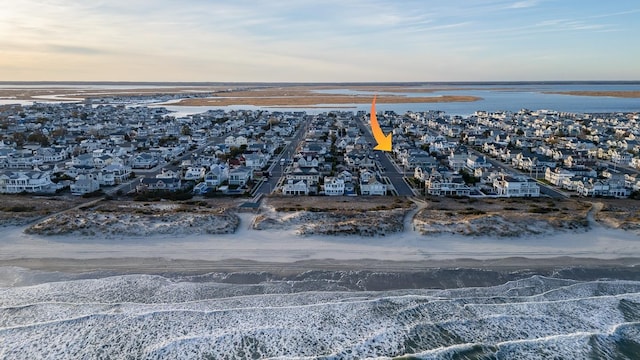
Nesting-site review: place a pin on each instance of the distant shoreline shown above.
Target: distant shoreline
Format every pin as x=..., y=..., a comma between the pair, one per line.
x=346, y=83
x=619, y=94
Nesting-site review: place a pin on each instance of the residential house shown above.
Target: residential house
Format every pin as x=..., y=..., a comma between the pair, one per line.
x=144, y=161
x=476, y=162
x=14, y=182
x=593, y=187
x=442, y=184
x=168, y=174
x=152, y=184
x=457, y=161
x=84, y=186
x=102, y=160
x=201, y=188
x=120, y=173
x=311, y=175
x=516, y=186
x=84, y=160
x=350, y=189
x=194, y=173
x=420, y=160
x=295, y=187
x=255, y=161
x=345, y=175
x=557, y=176
x=372, y=186
x=217, y=175
x=240, y=176
x=333, y=186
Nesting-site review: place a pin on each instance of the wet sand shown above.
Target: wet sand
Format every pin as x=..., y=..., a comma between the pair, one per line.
x=163, y=265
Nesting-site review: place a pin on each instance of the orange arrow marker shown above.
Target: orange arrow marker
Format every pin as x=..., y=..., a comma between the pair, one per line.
x=384, y=141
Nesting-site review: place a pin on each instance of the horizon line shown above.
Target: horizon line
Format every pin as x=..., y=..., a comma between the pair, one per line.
x=201, y=83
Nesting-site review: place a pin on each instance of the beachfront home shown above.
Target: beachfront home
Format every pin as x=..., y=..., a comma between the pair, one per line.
x=333, y=186
x=159, y=184
x=516, y=186
x=372, y=186
x=194, y=173
x=217, y=175
x=84, y=186
x=14, y=182
x=240, y=176
x=445, y=184
x=292, y=187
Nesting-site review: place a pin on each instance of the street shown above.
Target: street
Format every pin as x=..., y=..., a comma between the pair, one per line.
x=395, y=175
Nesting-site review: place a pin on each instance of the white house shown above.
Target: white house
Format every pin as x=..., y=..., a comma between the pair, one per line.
x=194, y=173
x=240, y=176
x=439, y=185
x=167, y=174
x=119, y=172
x=144, y=161
x=84, y=186
x=372, y=186
x=292, y=187
x=84, y=160
x=457, y=161
x=159, y=184
x=510, y=186
x=557, y=176
x=346, y=176
x=13, y=182
x=255, y=161
x=333, y=186
x=474, y=162
x=593, y=188
x=235, y=141
x=217, y=175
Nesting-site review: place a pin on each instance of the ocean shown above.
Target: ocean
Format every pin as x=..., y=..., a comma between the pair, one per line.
x=433, y=314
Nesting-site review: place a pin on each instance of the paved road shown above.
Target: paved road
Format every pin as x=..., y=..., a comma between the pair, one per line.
x=396, y=177
x=277, y=170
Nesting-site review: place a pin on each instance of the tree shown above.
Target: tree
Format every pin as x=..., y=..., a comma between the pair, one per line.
x=468, y=178
x=58, y=132
x=19, y=138
x=186, y=130
x=38, y=137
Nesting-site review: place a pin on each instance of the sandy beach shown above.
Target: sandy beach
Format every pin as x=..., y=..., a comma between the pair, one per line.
x=282, y=248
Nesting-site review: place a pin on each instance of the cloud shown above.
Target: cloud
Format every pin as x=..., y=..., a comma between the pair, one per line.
x=523, y=4
x=77, y=50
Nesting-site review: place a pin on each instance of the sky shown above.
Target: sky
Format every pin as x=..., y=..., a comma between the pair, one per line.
x=319, y=41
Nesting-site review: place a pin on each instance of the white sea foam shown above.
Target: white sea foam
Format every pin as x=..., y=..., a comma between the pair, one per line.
x=153, y=317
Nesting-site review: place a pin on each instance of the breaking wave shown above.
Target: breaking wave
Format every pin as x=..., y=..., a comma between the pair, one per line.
x=318, y=315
